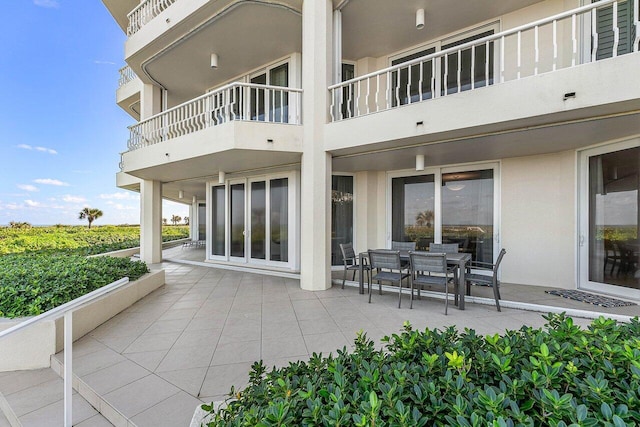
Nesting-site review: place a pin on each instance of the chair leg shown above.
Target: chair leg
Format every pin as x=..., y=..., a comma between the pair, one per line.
x=344, y=277
x=369, y=287
x=399, y=293
x=446, y=298
x=411, y=285
x=496, y=295
x=354, y=275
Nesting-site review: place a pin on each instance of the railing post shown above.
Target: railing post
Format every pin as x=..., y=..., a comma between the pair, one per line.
x=68, y=368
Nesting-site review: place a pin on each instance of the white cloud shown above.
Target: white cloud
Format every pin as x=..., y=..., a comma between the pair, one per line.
x=50, y=4
x=49, y=181
x=120, y=196
x=41, y=149
x=27, y=187
x=103, y=62
x=32, y=204
x=121, y=207
x=73, y=199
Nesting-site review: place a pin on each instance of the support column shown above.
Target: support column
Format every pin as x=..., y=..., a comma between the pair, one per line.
x=151, y=221
x=150, y=101
x=315, y=252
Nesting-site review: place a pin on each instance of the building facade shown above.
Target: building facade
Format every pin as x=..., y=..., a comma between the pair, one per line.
x=292, y=126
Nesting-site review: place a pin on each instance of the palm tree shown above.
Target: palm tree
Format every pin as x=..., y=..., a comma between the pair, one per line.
x=91, y=214
x=186, y=220
x=424, y=218
x=175, y=219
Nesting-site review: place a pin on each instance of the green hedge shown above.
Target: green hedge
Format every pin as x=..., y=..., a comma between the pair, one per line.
x=557, y=376
x=78, y=239
x=34, y=283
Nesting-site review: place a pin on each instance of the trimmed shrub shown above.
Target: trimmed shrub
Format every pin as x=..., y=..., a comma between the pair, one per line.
x=558, y=376
x=32, y=284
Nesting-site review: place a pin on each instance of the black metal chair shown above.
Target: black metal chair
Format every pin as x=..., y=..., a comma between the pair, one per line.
x=389, y=269
x=447, y=248
x=350, y=260
x=429, y=268
x=490, y=279
x=403, y=247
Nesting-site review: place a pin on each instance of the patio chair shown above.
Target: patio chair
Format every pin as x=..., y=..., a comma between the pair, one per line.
x=403, y=247
x=613, y=255
x=490, y=279
x=389, y=269
x=350, y=260
x=430, y=268
x=447, y=248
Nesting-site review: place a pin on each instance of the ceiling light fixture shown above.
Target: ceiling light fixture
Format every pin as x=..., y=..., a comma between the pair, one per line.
x=180, y=194
x=214, y=60
x=419, y=19
x=419, y=162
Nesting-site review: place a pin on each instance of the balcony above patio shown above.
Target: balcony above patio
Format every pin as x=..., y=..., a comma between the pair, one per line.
x=238, y=127
x=558, y=83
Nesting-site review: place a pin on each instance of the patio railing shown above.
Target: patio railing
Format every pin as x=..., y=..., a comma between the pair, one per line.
x=541, y=46
x=144, y=13
x=235, y=101
x=126, y=75
x=66, y=310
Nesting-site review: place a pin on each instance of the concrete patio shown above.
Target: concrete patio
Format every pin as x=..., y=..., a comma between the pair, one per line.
x=195, y=337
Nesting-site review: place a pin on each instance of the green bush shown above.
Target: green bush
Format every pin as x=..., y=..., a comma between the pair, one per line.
x=34, y=283
x=78, y=239
x=558, y=376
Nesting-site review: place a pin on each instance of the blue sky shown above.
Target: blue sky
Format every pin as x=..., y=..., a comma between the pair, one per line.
x=61, y=130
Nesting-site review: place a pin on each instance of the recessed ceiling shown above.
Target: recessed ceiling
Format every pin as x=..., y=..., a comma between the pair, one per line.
x=373, y=28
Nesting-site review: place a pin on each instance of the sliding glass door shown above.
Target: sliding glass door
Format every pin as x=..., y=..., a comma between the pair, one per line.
x=447, y=206
x=610, y=217
x=251, y=221
x=413, y=210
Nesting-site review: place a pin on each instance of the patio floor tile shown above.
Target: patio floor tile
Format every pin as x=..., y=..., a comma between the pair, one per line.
x=219, y=379
x=176, y=410
x=141, y=395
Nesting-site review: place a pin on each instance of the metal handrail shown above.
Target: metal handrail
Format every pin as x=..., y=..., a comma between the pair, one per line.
x=66, y=310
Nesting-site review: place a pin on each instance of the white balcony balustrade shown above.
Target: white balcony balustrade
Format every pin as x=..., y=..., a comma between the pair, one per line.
x=578, y=36
x=144, y=13
x=126, y=75
x=235, y=101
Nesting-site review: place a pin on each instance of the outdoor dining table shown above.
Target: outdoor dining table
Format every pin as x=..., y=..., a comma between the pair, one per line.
x=460, y=259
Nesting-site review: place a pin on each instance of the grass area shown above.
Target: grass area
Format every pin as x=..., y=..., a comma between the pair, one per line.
x=78, y=240
x=44, y=267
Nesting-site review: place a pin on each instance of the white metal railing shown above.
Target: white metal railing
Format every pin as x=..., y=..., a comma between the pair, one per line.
x=235, y=101
x=126, y=75
x=541, y=46
x=144, y=13
x=66, y=310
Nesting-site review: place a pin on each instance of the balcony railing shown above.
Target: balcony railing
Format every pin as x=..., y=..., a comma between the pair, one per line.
x=126, y=75
x=235, y=101
x=538, y=47
x=144, y=13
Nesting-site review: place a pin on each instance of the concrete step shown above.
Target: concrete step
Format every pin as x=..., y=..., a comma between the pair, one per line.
x=35, y=398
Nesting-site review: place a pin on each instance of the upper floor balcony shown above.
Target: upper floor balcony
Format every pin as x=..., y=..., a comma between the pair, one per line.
x=238, y=126
x=494, y=77
x=128, y=92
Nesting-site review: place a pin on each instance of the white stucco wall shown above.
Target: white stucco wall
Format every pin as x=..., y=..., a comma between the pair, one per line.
x=538, y=226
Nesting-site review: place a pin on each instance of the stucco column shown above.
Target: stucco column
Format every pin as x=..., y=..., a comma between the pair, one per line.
x=151, y=221
x=150, y=101
x=315, y=268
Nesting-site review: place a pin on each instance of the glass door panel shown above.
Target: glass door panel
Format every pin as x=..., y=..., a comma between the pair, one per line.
x=258, y=219
x=236, y=220
x=413, y=210
x=202, y=221
x=279, y=99
x=614, y=235
x=341, y=215
x=483, y=63
x=412, y=84
x=257, y=98
x=217, y=221
x=279, y=219
x=467, y=212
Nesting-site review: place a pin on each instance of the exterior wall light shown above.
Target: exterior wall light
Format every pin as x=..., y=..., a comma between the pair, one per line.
x=419, y=19
x=214, y=60
x=194, y=200
x=180, y=194
x=419, y=162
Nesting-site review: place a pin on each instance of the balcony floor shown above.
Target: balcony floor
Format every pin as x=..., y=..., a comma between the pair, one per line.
x=192, y=339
